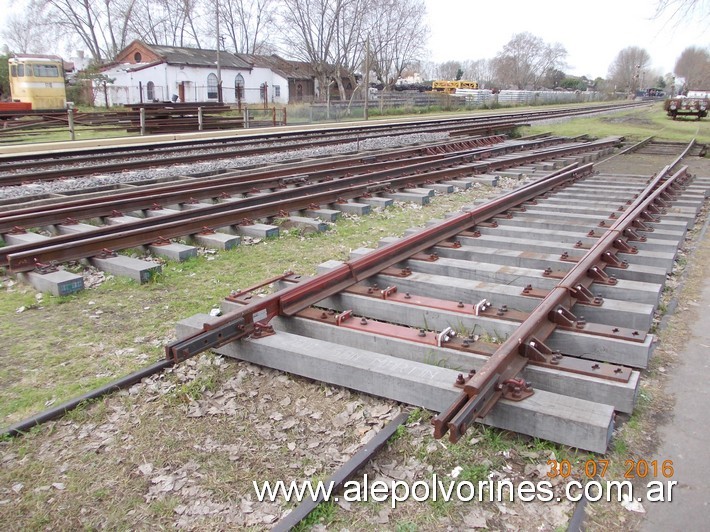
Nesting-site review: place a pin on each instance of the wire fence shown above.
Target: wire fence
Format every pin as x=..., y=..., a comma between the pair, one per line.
x=187, y=116
x=393, y=103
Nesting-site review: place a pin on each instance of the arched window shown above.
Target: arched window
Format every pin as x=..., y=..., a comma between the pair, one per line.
x=239, y=87
x=212, y=87
x=150, y=91
x=137, y=57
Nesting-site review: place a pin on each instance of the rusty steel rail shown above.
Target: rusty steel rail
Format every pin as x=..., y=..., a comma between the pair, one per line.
x=243, y=182
x=25, y=257
x=252, y=320
x=497, y=378
x=93, y=164
x=446, y=124
x=476, y=125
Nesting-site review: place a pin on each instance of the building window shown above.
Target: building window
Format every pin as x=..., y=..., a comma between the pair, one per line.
x=150, y=90
x=137, y=57
x=212, y=87
x=239, y=87
x=277, y=91
x=46, y=71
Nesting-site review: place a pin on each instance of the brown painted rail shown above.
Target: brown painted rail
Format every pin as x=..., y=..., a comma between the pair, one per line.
x=497, y=377
x=25, y=257
x=243, y=182
x=254, y=318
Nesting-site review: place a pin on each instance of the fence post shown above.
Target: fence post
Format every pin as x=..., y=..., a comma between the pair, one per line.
x=273, y=119
x=70, y=120
x=284, y=122
x=142, y=120
x=246, y=117
x=200, y=118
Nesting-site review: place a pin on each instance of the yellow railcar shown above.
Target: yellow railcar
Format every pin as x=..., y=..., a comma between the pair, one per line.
x=450, y=86
x=38, y=81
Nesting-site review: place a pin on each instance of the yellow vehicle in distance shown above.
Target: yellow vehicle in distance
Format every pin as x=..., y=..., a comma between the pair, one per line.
x=36, y=80
x=450, y=87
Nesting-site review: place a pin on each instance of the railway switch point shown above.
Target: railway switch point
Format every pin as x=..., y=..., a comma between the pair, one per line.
x=580, y=423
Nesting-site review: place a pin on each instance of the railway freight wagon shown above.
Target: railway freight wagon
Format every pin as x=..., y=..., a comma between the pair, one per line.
x=36, y=84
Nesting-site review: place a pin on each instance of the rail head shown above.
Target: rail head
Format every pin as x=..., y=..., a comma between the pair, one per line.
x=254, y=317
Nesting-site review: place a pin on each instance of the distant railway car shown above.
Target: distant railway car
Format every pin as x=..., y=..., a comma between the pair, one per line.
x=38, y=81
x=451, y=86
x=683, y=106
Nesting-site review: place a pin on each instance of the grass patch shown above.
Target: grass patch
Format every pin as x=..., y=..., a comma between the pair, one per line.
x=72, y=344
x=634, y=124
x=323, y=514
x=68, y=345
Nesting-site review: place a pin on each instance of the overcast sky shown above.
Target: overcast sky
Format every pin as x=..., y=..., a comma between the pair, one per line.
x=592, y=31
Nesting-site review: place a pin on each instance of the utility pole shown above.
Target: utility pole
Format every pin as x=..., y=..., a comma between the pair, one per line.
x=367, y=77
x=219, y=61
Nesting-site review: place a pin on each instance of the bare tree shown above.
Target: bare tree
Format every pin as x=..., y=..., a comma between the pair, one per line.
x=309, y=29
x=247, y=23
x=693, y=66
x=101, y=25
x=526, y=59
x=684, y=9
x=625, y=71
x=398, y=33
x=26, y=35
x=167, y=22
x=448, y=70
x=480, y=71
x=351, y=46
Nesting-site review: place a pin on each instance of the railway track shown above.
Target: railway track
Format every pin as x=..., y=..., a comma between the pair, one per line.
x=352, y=183
x=19, y=169
x=501, y=276
x=532, y=312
